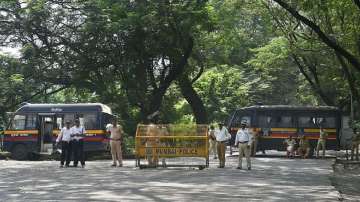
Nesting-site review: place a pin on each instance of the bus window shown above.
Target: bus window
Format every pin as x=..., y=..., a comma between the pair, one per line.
x=328, y=122
x=59, y=123
x=107, y=118
x=283, y=121
x=264, y=121
x=238, y=119
x=306, y=122
x=69, y=117
x=247, y=119
x=31, y=121
x=18, y=122
x=89, y=121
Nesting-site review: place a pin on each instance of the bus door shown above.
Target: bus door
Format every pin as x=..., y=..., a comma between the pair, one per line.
x=47, y=122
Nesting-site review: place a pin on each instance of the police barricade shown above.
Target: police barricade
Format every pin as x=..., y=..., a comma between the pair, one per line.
x=154, y=143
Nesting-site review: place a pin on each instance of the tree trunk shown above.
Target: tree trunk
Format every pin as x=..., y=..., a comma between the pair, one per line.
x=193, y=99
x=350, y=79
x=314, y=85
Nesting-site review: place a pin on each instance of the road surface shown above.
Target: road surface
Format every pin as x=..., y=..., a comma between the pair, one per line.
x=271, y=179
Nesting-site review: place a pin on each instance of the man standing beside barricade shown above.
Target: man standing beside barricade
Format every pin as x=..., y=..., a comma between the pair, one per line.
x=65, y=137
x=321, y=143
x=152, y=144
x=222, y=136
x=355, y=145
x=77, y=143
x=243, y=141
x=212, y=141
x=116, y=133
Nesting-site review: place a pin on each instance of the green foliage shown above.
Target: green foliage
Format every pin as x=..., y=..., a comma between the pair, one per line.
x=223, y=90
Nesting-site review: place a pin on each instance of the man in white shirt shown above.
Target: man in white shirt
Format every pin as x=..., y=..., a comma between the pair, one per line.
x=243, y=140
x=65, y=138
x=116, y=133
x=222, y=135
x=77, y=143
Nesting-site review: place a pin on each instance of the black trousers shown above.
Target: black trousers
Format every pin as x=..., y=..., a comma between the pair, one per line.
x=78, y=150
x=65, y=152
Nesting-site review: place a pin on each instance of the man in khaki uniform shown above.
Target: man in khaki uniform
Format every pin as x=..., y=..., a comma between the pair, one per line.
x=255, y=142
x=243, y=140
x=212, y=142
x=304, y=147
x=222, y=136
x=321, y=143
x=116, y=133
x=152, y=143
x=355, y=145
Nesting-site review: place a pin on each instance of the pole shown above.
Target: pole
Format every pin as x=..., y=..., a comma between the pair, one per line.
x=351, y=107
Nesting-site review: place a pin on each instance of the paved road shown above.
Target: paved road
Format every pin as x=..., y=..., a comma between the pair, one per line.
x=272, y=179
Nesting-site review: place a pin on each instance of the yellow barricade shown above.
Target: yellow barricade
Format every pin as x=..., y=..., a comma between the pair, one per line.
x=154, y=142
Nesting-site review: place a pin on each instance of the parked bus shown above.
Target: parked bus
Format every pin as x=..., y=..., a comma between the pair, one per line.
x=275, y=123
x=33, y=128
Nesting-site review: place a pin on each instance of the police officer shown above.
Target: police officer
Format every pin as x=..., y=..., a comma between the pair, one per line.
x=212, y=141
x=65, y=138
x=321, y=143
x=116, y=133
x=77, y=143
x=243, y=140
x=222, y=135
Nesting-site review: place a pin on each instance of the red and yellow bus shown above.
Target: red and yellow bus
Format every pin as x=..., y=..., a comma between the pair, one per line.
x=275, y=123
x=33, y=128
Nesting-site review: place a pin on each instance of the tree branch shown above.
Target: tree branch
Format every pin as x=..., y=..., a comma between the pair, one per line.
x=323, y=37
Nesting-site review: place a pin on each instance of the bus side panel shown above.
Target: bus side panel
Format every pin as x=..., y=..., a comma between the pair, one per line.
x=275, y=141
x=29, y=140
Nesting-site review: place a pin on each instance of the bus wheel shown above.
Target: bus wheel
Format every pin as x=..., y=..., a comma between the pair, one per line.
x=19, y=152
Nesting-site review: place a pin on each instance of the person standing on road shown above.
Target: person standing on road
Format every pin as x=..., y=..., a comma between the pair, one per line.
x=254, y=144
x=321, y=143
x=77, y=143
x=355, y=145
x=65, y=138
x=116, y=133
x=212, y=141
x=243, y=141
x=222, y=135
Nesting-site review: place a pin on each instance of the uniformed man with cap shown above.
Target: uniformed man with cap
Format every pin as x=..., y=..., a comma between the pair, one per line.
x=64, y=138
x=321, y=142
x=243, y=140
x=116, y=133
x=222, y=135
x=77, y=143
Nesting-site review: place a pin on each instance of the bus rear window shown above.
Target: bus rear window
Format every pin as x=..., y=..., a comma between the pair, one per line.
x=18, y=123
x=89, y=121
